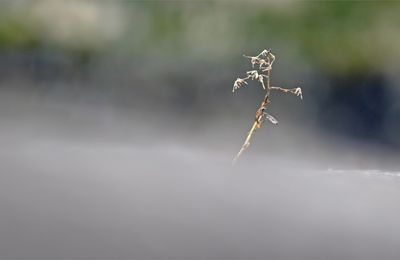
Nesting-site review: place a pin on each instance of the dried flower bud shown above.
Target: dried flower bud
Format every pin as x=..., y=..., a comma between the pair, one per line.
x=238, y=83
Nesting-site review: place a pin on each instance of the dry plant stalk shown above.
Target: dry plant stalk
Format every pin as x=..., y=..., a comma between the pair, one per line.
x=263, y=63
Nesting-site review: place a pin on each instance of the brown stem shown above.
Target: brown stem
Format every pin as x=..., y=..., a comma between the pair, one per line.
x=256, y=125
x=265, y=60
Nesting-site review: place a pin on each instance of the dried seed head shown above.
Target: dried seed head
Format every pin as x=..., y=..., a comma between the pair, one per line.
x=298, y=93
x=238, y=83
x=264, y=60
x=265, y=52
x=253, y=74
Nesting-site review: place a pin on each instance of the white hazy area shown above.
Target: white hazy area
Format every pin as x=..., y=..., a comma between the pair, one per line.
x=86, y=182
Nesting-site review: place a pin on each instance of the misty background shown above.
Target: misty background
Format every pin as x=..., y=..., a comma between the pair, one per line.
x=118, y=126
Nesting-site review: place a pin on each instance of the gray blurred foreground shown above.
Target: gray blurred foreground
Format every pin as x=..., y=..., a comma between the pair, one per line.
x=77, y=183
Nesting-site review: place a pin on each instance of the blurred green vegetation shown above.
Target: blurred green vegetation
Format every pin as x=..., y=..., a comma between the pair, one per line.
x=341, y=37
x=15, y=34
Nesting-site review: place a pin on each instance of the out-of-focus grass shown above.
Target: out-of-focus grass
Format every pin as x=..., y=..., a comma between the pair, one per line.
x=341, y=37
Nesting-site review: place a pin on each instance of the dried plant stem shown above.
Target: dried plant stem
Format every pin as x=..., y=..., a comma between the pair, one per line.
x=264, y=60
x=246, y=143
x=258, y=120
x=296, y=91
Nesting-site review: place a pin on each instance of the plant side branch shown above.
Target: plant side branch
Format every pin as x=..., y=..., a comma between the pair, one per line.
x=264, y=61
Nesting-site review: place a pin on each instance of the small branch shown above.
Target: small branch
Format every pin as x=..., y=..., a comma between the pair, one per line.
x=265, y=60
x=295, y=91
x=246, y=142
x=258, y=120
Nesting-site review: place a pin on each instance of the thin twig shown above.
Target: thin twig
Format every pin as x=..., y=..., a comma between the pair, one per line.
x=295, y=91
x=265, y=60
x=246, y=143
x=258, y=120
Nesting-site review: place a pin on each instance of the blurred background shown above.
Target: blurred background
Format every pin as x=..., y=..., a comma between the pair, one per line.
x=120, y=111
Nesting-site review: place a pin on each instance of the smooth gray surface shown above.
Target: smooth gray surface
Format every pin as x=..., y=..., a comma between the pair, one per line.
x=79, y=184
